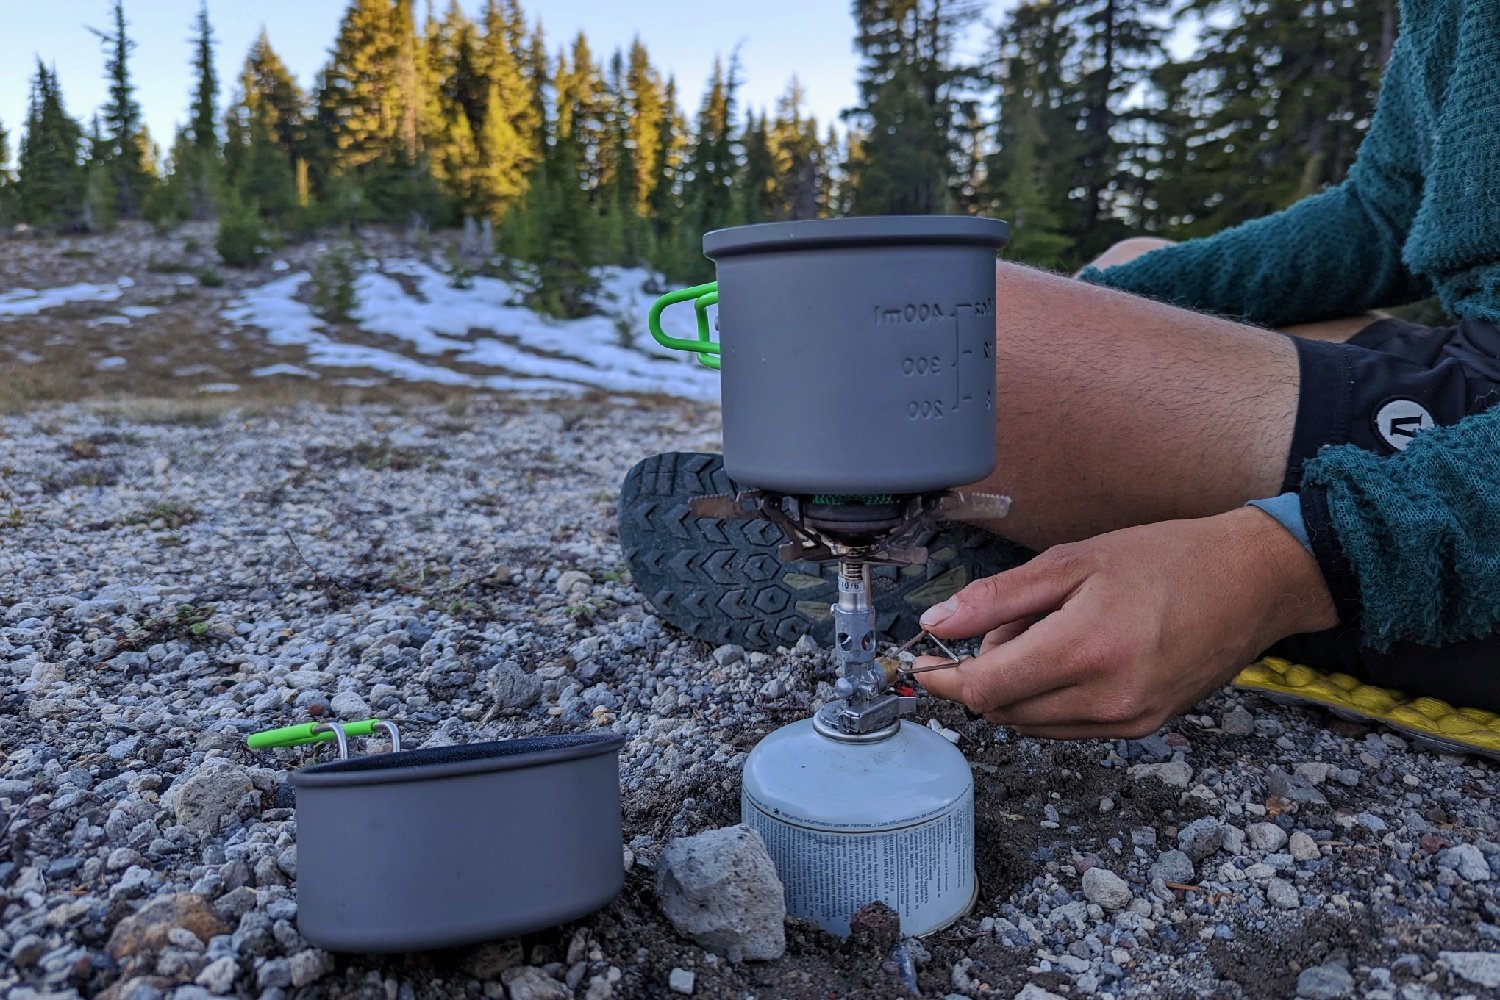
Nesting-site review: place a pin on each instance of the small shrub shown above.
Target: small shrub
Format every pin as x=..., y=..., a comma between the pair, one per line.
x=191, y=245
x=211, y=277
x=194, y=618
x=173, y=513
x=157, y=265
x=333, y=276
x=242, y=238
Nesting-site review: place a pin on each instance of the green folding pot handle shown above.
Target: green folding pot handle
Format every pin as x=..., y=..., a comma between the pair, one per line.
x=304, y=734
x=702, y=296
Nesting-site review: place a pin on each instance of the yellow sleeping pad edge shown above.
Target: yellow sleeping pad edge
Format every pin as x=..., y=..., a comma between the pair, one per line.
x=1434, y=724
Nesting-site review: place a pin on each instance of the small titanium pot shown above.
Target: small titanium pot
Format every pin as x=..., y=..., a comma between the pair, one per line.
x=858, y=355
x=437, y=847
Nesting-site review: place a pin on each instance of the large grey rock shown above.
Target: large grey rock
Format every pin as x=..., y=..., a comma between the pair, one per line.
x=1479, y=967
x=1325, y=982
x=1102, y=886
x=1303, y=847
x=215, y=796
x=1201, y=837
x=720, y=889
x=1282, y=894
x=513, y=689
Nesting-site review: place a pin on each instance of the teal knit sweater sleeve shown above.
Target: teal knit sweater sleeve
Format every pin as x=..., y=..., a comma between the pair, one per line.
x=1337, y=253
x=1417, y=549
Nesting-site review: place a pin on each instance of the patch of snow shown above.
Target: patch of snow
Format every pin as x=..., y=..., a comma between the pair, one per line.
x=110, y=321
x=482, y=327
x=109, y=364
x=29, y=301
x=184, y=279
x=136, y=312
x=27, y=358
x=125, y=281
x=282, y=369
x=219, y=387
x=280, y=265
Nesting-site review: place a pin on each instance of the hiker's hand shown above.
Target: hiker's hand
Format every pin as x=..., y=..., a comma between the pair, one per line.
x=1140, y=624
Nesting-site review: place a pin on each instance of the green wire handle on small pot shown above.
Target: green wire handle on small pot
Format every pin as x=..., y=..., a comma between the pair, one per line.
x=301, y=735
x=702, y=297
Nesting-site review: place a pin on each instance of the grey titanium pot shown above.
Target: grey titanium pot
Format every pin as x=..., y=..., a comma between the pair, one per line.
x=858, y=355
x=446, y=846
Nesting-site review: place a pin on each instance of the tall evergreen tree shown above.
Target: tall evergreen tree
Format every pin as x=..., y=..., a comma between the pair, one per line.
x=906, y=87
x=797, y=154
x=757, y=180
x=7, y=181
x=205, y=116
x=360, y=100
x=49, y=173
x=508, y=147
x=266, y=128
x=126, y=152
x=711, y=168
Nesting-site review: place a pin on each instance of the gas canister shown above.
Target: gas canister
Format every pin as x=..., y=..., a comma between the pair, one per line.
x=849, y=822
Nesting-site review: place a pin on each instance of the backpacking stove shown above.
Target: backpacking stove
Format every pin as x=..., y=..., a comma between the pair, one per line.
x=857, y=532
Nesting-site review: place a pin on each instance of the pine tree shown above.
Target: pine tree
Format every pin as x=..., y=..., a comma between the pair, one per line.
x=906, y=86
x=266, y=131
x=664, y=203
x=507, y=144
x=50, y=182
x=1024, y=195
x=453, y=106
x=645, y=108
x=757, y=183
x=357, y=103
x=205, y=115
x=7, y=181
x=709, y=174
x=1271, y=108
x=124, y=155
x=800, y=169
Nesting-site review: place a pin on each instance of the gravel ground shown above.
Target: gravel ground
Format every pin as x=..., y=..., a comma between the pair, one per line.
x=168, y=585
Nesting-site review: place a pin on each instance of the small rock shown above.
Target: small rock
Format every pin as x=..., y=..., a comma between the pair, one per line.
x=1102, y=886
x=219, y=975
x=1281, y=894
x=212, y=798
x=1468, y=861
x=726, y=656
x=310, y=965
x=1314, y=770
x=513, y=689
x=1201, y=837
x=1175, y=773
x=1238, y=722
x=1479, y=967
x=876, y=927
x=1266, y=837
x=348, y=705
x=1303, y=847
x=146, y=931
x=1031, y=991
x=1293, y=788
x=1173, y=866
x=527, y=982
x=574, y=583
x=720, y=889
x=681, y=981
x=1325, y=982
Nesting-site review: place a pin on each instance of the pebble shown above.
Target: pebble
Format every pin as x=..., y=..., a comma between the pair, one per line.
x=1102, y=886
x=1201, y=837
x=1173, y=866
x=1325, y=982
x=1303, y=847
x=1265, y=837
x=527, y=982
x=1468, y=861
x=1175, y=773
x=681, y=981
x=214, y=796
x=1281, y=894
x=1238, y=722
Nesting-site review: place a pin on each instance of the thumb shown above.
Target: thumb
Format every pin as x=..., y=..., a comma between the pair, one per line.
x=1034, y=589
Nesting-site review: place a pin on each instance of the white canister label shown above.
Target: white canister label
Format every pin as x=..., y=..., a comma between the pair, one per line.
x=924, y=871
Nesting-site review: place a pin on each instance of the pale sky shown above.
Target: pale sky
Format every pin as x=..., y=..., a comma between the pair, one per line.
x=777, y=38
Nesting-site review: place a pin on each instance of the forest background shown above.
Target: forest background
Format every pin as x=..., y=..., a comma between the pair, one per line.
x=1075, y=124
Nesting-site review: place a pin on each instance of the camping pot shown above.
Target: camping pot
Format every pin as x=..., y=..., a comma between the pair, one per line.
x=858, y=355
x=444, y=846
